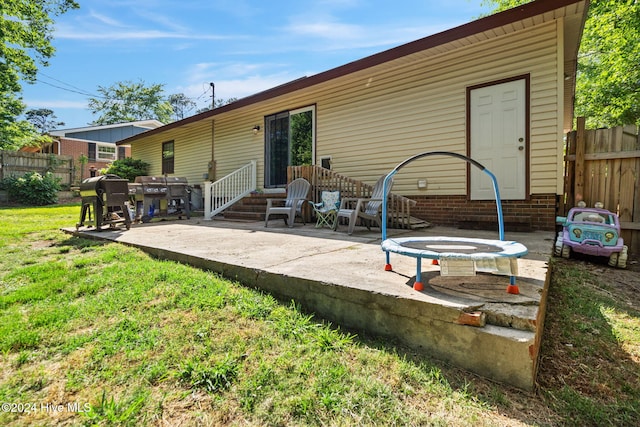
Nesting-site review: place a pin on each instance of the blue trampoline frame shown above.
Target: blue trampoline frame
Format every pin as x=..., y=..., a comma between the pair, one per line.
x=510, y=249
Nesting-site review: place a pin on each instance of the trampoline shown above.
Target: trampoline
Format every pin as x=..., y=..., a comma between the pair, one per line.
x=457, y=256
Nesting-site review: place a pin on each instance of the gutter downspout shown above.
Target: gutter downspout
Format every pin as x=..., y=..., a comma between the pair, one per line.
x=212, y=163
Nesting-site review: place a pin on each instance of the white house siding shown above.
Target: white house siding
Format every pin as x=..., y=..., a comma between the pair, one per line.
x=192, y=145
x=380, y=118
x=371, y=120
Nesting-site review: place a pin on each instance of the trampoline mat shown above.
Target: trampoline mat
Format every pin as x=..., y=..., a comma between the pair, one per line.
x=451, y=246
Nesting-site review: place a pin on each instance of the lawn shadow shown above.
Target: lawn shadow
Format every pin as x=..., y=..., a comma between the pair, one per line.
x=80, y=243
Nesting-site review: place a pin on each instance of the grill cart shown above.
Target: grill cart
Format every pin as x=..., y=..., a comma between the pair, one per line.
x=158, y=196
x=107, y=196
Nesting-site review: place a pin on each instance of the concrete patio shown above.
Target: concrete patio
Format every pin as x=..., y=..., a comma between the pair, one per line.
x=470, y=322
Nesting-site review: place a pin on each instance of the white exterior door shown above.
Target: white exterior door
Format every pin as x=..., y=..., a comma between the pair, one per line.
x=498, y=140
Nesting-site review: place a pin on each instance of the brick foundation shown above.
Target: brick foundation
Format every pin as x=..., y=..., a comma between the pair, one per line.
x=537, y=213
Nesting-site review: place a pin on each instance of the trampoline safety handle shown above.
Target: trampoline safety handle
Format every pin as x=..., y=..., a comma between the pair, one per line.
x=395, y=170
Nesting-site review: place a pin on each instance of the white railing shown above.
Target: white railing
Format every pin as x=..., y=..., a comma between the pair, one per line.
x=225, y=192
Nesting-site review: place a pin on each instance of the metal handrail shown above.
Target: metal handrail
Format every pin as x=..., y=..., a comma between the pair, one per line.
x=223, y=193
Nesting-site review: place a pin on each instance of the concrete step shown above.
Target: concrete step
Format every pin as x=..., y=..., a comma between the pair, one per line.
x=250, y=208
x=243, y=215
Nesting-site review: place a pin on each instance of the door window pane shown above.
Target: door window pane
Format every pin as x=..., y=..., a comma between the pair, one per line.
x=277, y=150
x=301, y=138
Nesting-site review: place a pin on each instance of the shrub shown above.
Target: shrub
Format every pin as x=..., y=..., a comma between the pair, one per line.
x=33, y=189
x=127, y=168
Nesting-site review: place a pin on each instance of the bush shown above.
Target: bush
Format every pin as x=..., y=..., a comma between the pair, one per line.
x=33, y=189
x=127, y=168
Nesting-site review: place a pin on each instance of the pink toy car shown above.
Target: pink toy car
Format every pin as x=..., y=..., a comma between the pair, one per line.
x=591, y=231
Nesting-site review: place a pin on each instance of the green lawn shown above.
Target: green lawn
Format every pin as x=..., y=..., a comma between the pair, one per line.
x=95, y=333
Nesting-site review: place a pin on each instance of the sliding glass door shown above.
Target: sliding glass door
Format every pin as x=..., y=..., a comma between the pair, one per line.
x=289, y=141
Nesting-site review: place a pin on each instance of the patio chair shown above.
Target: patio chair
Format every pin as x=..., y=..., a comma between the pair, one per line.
x=369, y=209
x=297, y=192
x=326, y=210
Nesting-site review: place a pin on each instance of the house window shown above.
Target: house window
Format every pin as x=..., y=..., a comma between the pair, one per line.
x=106, y=152
x=167, y=157
x=325, y=162
x=122, y=153
x=92, y=151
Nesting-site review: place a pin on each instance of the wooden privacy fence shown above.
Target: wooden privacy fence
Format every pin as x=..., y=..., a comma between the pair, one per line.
x=603, y=165
x=17, y=163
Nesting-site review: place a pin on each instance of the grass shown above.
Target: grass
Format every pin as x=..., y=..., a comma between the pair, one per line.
x=115, y=337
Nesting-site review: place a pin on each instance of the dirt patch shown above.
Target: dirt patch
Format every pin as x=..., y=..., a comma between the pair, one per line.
x=624, y=284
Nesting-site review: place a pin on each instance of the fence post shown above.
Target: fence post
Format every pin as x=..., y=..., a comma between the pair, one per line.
x=578, y=189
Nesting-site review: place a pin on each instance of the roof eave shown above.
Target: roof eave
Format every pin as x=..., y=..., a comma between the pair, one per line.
x=465, y=30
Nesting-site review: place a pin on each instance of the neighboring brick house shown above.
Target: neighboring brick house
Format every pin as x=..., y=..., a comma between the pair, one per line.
x=97, y=143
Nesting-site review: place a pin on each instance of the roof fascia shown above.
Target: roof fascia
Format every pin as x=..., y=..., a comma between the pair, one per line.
x=499, y=19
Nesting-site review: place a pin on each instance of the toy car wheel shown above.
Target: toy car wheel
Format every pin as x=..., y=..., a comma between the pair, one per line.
x=622, y=258
x=613, y=259
x=566, y=251
x=557, y=248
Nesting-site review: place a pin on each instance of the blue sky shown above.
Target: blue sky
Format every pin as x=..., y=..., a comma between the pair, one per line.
x=242, y=46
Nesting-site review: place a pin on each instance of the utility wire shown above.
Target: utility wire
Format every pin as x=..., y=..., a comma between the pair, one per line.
x=86, y=93
x=78, y=90
x=69, y=90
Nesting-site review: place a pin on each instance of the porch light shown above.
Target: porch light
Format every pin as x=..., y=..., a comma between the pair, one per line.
x=256, y=129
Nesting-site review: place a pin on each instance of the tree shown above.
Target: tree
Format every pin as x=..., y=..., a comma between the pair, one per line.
x=43, y=119
x=127, y=101
x=180, y=104
x=26, y=28
x=128, y=168
x=301, y=138
x=608, y=79
x=219, y=103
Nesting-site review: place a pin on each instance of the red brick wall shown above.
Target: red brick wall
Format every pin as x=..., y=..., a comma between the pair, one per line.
x=537, y=213
x=75, y=148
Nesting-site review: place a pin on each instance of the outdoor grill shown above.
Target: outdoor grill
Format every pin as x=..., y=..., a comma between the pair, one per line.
x=160, y=196
x=107, y=196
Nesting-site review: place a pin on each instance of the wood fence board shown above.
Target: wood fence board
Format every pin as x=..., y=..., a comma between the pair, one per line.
x=600, y=182
x=634, y=243
x=631, y=154
x=570, y=173
x=17, y=163
x=579, y=179
x=612, y=199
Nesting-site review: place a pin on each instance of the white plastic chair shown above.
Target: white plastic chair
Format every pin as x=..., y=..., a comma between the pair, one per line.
x=297, y=192
x=369, y=209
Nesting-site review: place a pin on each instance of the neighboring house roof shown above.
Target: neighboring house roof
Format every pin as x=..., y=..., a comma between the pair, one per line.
x=107, y=133
x=489, y=27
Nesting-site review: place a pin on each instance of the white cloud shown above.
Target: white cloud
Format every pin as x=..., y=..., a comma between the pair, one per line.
x=104, y=19
x=327, y=30
x=73, y=33
x=162, y=20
